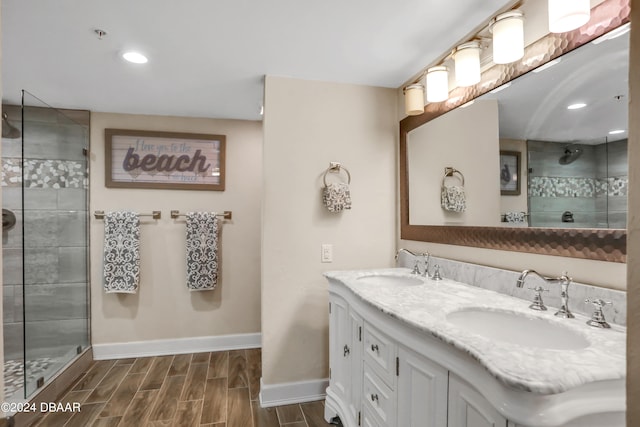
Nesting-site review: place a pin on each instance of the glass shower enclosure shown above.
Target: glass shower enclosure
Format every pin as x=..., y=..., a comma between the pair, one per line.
x=45, y=253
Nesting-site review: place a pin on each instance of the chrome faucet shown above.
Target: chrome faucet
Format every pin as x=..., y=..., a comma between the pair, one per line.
x=426, y=257
x=564, y=282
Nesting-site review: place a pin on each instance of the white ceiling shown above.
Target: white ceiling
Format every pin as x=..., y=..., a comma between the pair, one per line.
x=534, y=107
x=207, y=58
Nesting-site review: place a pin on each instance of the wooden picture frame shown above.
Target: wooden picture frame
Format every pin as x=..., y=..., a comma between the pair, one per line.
x=510, y=170
x=164, y=160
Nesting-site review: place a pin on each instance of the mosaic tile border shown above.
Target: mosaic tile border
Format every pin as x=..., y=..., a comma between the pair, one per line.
x=551, y=186
x=44, y=173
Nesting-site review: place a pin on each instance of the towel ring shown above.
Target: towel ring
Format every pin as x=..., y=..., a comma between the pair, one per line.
x=449, y=171
x=335, y=167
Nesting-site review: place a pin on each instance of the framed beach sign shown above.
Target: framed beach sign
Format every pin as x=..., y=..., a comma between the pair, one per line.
x=509, y=173
x=164, y=160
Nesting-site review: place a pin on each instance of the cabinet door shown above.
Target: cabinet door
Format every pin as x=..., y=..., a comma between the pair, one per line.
x=339, y=348
x=467, y=407
x=422, y=391
x=355, y=362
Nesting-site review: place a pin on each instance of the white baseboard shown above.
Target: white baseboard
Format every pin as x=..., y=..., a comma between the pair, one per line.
x=290, y=393
x=175, y=346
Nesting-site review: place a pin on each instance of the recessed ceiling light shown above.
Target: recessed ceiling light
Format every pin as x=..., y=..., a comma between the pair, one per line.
x=622, y=30
x=499, y=88
x=135, y=57
x=547, y=65
x=576, y=106
x=617, y=131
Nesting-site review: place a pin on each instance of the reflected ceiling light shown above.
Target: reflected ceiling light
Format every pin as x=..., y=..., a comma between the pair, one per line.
x=576, y=106
x=437, y=84
x=620, y=31
x=508, y=37
x=414, y=99
x=499, y=88
x=135, y=57
x=567, y=15
x=616, y=132
x=467, y=63
x=547, y=65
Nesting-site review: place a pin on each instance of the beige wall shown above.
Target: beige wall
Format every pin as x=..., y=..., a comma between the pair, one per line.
x=633, y=227
x=307, y=125
x=163, y=308
x=467, y=140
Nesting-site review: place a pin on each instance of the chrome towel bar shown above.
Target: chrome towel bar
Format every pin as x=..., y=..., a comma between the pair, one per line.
x=226, y=214
x=154, y=214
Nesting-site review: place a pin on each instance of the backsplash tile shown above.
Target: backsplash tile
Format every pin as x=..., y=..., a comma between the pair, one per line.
x=504, y=282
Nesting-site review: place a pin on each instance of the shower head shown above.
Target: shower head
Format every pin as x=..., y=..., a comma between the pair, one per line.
x=8, y=130
x=570, y=155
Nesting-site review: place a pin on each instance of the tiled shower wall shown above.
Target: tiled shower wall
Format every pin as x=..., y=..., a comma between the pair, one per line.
x=593, y=187
x=54, y=217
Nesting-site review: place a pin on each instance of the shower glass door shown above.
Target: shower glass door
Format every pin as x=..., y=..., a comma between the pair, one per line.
x=54, y=201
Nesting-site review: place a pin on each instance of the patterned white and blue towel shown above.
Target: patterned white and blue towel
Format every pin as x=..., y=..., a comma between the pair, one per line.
x=121, y=254
x=202, y=251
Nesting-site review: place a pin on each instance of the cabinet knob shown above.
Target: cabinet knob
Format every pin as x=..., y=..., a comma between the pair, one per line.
x=374, y=397
x=346, y=350
x=374, y=347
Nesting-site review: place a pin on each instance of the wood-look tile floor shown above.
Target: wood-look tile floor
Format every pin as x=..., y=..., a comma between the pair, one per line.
x=204, y=389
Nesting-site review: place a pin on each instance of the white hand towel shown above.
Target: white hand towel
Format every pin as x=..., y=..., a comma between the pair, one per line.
x=121, y=254
x=202, y=251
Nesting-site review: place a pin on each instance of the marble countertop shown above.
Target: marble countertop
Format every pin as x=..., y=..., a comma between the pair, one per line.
x=536, y=370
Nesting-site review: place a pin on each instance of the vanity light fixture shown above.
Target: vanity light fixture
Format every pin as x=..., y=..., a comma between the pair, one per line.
x=576, y=106
x=135, y=57
x=437, y=84
x=414, y=99
x=616, y=132
x=567, y=15
x=467, y=63
x=508, y=37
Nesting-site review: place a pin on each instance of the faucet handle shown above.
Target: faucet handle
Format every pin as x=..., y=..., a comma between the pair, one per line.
x=537, y=303
x=436, y=273
x=597, y=318
x=416, y=269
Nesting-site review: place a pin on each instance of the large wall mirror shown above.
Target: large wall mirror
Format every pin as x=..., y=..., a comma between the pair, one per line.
x=538, y=176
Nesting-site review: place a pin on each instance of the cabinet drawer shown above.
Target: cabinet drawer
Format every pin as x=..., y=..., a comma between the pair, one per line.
x=378, y=398
x=380, y=352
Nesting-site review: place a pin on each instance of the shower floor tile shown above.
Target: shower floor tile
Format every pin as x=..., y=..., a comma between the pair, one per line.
x=14, y=373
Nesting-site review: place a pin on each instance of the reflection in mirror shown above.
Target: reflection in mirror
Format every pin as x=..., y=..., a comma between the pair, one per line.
x=572, y=165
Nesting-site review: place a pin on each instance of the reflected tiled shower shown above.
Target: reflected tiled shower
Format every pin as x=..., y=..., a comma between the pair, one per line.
x=45, y=295
x=593, y=187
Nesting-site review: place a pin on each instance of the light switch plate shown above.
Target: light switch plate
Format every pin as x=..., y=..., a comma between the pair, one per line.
x=327, y=252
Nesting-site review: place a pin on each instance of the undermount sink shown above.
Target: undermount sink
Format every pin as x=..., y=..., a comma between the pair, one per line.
x=518, y=328
x=390, y=280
